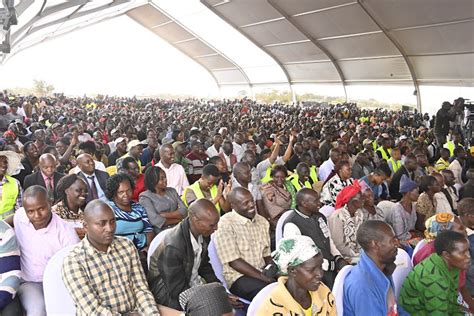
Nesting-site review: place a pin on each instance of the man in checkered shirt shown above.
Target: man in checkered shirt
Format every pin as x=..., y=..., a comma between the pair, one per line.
x=103, y=273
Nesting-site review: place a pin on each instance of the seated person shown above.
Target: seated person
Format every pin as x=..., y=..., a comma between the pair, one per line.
x=431, y=288
x=368, y=287
x=435, y=225
x=40, y=234
x=308, y=221
x=369, y=209
x=118, y=287
x=132, y=221
x=181, y=260
x=10, y=187
x=339, y=178
x=162, y=203
x=72, y=193
x=300, y=290
x=466, y=215
x=403, y=215
x=209, y=186
x=130, y=166
x=10, y=274
x=243, y=246
x=345, y=221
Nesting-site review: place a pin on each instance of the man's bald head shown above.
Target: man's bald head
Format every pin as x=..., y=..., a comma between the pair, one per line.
x=47, y=157
x=237, y=193
x=242, y=201
x=99, y=224
x=96, y=207
x=202, y=206
x=47, y=164
x=86, y=163
x=304, y=194
x=203, y=217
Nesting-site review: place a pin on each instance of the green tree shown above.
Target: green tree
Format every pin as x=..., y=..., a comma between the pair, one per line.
x=42, y=88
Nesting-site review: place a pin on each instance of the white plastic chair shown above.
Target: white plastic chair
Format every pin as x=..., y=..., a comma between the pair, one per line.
x=217, y=266
x=155, y=243
x=404, y=266
x=326, y=210
x=338, y=288
x=56, y=296
x=259, y=298
x=418, y=247
x=279, y=226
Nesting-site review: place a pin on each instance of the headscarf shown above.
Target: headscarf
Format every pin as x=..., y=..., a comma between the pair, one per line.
x=437, y=223
x=14, y=161
x=406, y=184
x=293, y=251
x=9, y=133
x=347, y=194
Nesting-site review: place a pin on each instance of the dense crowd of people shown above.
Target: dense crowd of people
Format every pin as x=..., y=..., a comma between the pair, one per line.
x=246, y=195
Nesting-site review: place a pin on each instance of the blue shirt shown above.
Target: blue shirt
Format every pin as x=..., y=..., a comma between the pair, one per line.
x=366, y=289
x=134, y=224
x=376, y=188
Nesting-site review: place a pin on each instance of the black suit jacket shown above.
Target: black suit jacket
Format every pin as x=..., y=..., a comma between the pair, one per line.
x=172, y=263
x=101, y=176
x=37, y=179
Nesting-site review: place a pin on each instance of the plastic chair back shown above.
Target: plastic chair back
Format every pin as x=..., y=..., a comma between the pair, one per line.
x=259, y=298
x=338, y=288
x=56, y=296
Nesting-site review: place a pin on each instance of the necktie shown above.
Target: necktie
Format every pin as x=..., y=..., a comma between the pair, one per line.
x=94, y=193
x=50, y=189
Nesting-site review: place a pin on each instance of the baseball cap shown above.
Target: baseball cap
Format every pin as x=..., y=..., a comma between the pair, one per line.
x=119, y=140
x=133, y=143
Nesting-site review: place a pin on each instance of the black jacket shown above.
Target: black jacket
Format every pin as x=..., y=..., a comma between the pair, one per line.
x=101, y=176
x=172, y=263
x=37, y=179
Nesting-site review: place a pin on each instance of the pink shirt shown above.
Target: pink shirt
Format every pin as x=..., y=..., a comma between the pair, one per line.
x=38, y=246
x=175, y=177
x=45, y=178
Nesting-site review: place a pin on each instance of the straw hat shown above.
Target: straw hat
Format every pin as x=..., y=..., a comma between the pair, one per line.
x=13, y=160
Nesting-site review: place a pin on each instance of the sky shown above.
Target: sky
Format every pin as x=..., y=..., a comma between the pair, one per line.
x=120, y=57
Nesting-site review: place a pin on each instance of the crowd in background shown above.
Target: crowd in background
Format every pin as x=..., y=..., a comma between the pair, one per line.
x=292, y=193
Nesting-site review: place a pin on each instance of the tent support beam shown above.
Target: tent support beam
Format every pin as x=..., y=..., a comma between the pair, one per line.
x=237, y=28
x=400, y=49
x=313, y=40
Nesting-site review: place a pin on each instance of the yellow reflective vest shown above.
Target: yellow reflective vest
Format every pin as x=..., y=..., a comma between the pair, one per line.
x=9, y=195
x=196, y=188
x=295, y=180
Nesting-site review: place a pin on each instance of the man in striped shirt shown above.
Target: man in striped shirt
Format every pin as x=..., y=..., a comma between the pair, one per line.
x=10, y=272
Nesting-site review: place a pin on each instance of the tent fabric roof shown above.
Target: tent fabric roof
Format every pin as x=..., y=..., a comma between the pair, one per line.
x=294, y=42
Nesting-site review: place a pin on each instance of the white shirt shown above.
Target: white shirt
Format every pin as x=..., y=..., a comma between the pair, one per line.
x=175, y=176
x=325, y=169
x=212, y=151
x=197, y=250
x=238, y=150
x=97, y=164
x=100, y=193
x=442, y=203
x=227, y=162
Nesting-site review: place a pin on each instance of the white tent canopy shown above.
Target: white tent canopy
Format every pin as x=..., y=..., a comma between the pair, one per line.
x=248, y=43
